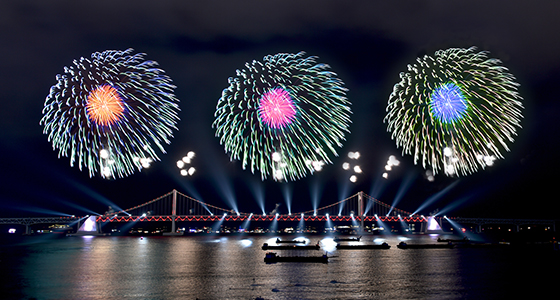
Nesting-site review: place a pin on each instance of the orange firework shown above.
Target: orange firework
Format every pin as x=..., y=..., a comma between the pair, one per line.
x=104, y=105
x=115, y=101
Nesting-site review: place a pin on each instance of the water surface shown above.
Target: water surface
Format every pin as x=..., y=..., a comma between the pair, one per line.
x=232, y=267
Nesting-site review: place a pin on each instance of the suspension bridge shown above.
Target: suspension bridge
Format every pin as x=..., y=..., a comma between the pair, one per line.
x=177, y=207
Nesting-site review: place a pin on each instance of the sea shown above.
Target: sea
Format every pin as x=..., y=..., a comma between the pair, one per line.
x=233, y=267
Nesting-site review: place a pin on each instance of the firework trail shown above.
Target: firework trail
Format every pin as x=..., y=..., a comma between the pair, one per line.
x=109, y=113
x=283, y=116
x=455, y=111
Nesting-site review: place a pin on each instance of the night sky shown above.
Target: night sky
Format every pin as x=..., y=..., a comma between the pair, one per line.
x=200, y=44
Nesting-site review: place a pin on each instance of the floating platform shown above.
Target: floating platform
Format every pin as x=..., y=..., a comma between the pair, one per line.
x=350, y=239
x=272, y=257
x=463, y=240
x=351, y=247
x=403, y=245
x=266, y=246
x=279, y=241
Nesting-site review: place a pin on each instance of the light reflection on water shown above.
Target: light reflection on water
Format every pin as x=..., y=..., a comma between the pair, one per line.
x=232, y=267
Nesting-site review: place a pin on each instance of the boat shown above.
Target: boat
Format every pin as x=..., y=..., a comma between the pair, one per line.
x=272, y=257
x=375, y=246
x=350, y=239
x=266, y=246
x=279, y=241
x=403, y=245
x=463, y=240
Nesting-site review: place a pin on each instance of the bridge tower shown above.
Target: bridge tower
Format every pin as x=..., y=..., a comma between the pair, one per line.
x=173, y=215
x=361, y=210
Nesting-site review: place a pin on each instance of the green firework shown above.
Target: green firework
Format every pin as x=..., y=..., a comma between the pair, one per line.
x=319, y=116
x=455, y=111
x=109, y=113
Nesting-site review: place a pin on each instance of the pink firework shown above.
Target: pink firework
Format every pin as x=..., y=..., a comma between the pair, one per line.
x=276, y=108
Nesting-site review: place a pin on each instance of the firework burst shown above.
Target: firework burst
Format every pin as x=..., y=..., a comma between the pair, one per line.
x=283, y=116
x=455, y=111
x=109, y=113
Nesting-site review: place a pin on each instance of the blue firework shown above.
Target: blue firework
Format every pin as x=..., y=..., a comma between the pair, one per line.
x=455, y=111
